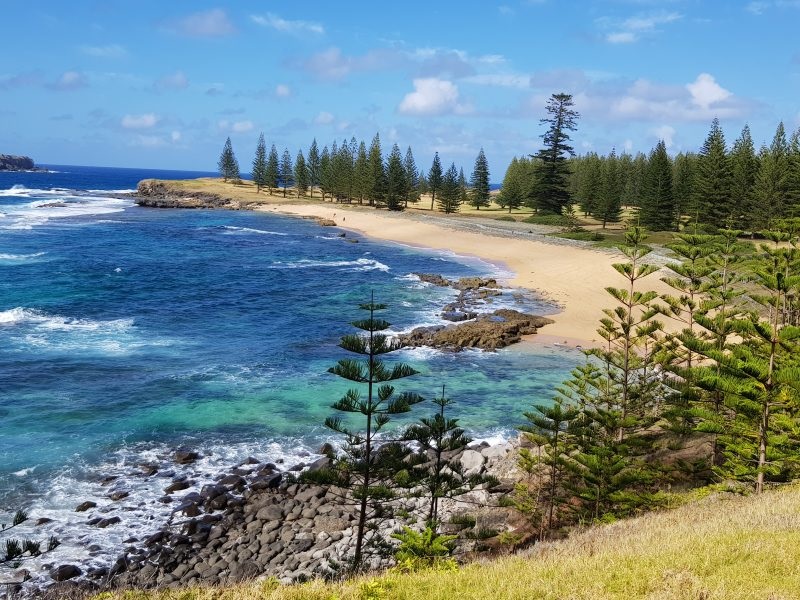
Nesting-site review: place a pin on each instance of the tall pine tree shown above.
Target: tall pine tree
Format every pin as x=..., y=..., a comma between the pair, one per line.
x=259, y=173
x=712, y=189
x=552, y=169
x=479, y=181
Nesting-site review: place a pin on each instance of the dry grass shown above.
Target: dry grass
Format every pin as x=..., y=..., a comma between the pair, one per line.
x=727, y=547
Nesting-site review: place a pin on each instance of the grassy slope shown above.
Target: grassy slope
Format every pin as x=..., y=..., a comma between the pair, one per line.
x=726, y=547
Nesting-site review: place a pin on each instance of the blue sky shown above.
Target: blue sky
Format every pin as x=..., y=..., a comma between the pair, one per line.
x=162, y=84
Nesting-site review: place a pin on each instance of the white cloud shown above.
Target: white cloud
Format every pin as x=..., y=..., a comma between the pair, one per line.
x=242, y=126
x=757, y=8
x=110, y=51
x=235, y=126
x=324, y=118
x=145, y=121
x=630, y=30
x=621, y=37
x=706, y=91
x=173, y=81
x=209, y=23
x=69, y=80
x=175, y=136
x=432, y=96
x=279, y=24
x=282, y=90
x=509, y=80
x=666, y=133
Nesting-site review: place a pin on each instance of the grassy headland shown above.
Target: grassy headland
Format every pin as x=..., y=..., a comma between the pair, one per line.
x=720, y=547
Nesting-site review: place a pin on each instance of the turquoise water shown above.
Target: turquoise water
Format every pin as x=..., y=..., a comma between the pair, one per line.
x=127, y=332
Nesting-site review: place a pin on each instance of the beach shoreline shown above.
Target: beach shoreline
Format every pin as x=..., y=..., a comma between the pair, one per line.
x=573, y=278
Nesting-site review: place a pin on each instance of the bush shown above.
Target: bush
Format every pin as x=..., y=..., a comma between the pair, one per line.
x=555, y=220
x=506, y=218
x=583, y=235
x=422, y=549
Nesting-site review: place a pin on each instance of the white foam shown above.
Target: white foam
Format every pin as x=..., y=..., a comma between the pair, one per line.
x=20, y=257
x=57, y=203
x=232, y=230
x=21, y=315
x=361, y=264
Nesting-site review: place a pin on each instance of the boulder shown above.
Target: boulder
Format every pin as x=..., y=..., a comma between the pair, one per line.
x=64, y=572
x=487, y=332
x=472, y=462
x=117, y=495
x=185, y=457
x=84, y=506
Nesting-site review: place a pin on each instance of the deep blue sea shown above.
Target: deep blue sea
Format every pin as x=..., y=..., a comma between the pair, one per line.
x=126, y=332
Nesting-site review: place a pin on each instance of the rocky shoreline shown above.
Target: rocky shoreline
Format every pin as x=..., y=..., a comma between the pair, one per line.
x=257, y=521
x=10, y=162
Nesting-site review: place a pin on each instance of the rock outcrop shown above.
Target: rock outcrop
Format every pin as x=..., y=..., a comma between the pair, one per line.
x=160, y=194
x=486, y=332
x=9, y=162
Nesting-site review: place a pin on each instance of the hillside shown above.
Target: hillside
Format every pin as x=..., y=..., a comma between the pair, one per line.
x=719, y=547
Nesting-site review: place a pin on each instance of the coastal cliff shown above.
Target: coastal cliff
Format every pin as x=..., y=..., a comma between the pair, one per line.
x=9, y=162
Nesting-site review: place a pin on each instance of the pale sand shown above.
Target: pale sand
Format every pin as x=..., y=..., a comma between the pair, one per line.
x=573, y=277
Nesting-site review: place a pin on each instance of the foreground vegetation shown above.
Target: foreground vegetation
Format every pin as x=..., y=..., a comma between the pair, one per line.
x=720, y=547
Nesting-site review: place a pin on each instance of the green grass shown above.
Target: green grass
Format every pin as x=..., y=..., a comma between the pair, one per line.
x=586, y=236
x=721, y=547
x=506, y=218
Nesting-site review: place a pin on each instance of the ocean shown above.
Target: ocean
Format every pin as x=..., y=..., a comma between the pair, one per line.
x=128, y=332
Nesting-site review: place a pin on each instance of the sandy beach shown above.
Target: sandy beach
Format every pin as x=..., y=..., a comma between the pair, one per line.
x=573, y=277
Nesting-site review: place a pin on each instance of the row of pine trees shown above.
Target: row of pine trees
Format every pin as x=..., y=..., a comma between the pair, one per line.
x=720, y=186
x=352, y=172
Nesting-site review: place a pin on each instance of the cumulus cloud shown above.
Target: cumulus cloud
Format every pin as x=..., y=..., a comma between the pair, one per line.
x=323, y=118
x=296, y=27
x=618, y=99
x=706, y=91
x=173, y=81
x=432, y=97
x=209, y=23
x=145, y=121
x=109, y=51
x=666, y=133
x=69, y=81
x=282, y=90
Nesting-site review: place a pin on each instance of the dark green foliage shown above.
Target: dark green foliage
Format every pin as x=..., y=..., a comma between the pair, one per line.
x=609, y=209
x=377, y=173
x=516, y=184
x=450, y=195
x=463, y=191
x=361, y=174
x=228, y=165
x=683, y=168
x=286, y=171
x=364, y=468
x=273, y=169
x=325, y=174
x=658, y=206
x=770, y=187
x=744, y=167
x=589, y=177
x=301, y=177
x=435, y=178
x=412, y=178
x=438, y=437
x=396, y=195
x=479, y=181
x=712, y=189
x=259, y=173
x=314, y=166
x=551, y=193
